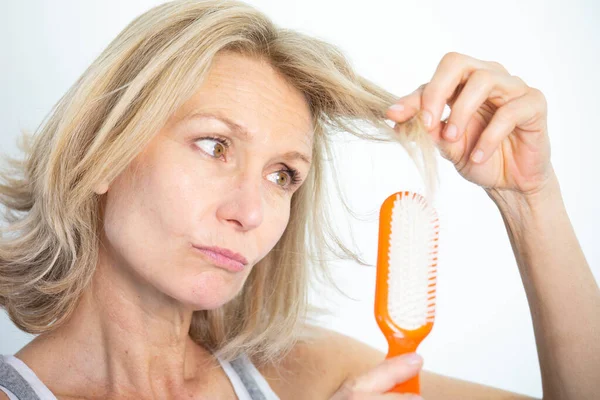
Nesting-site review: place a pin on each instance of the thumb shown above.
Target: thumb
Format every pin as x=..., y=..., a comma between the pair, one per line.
x=383, y=377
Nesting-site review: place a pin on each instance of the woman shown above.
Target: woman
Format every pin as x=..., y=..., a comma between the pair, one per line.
x=161, y=230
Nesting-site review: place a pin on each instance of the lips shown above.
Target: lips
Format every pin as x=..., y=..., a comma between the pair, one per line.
x=223, y=258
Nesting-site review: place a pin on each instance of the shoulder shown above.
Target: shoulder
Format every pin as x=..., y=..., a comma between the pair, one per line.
x=310, y=370
x=3, y=396
x=326, y=362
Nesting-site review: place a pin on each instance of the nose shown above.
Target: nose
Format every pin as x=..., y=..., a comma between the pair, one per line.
x=243, y=206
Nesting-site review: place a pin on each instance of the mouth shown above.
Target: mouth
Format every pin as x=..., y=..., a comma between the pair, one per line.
x=223, y=258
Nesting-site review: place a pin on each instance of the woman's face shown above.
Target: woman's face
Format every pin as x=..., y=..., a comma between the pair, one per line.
x=200, y=183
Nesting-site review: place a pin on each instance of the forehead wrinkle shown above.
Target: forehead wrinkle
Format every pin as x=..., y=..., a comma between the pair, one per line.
x=241, y=131
x=263, y=93
x=274, y=87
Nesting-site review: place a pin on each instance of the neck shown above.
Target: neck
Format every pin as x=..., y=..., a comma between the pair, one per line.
x=127, y=338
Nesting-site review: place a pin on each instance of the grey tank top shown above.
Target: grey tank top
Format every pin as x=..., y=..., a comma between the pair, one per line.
x=19, y=382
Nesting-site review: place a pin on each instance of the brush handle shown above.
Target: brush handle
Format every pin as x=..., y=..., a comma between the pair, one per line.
x=409, y=386
x=402, y=346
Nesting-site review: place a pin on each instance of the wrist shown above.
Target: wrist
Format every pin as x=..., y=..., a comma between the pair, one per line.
x=517, y=206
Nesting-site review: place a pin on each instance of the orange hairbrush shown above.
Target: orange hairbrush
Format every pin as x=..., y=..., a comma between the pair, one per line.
x=406, y=275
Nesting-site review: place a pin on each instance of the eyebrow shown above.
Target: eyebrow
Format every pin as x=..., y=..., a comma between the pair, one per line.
x=243, y=133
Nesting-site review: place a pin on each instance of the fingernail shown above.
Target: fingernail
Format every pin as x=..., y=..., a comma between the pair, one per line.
x=451, y=132
x=477, y=155
x=427, y=118
x=396, y=107
x=413, y=359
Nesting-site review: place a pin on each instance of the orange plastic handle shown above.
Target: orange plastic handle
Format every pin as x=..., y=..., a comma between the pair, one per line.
x=408, y=344
x=400, y=341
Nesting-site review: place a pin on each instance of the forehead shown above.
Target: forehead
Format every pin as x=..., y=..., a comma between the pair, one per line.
x=255, y=95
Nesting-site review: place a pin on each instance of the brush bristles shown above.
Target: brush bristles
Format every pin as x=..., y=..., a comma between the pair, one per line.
x=412, y=262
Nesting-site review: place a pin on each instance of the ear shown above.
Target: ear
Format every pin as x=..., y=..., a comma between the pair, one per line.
x=101, y=188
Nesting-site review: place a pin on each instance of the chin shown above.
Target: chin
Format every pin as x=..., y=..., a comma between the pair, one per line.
x=208, y=290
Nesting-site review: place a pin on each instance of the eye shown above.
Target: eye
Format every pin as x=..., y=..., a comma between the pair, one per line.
x=289, y=178
x=282, y=179
x=214, y=150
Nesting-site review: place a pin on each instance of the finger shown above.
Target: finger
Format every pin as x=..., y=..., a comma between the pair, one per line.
x=388, y=374
x=453, y=70
x=483, y=85
x=518, y=112
x=407, y=106
x=375, y=396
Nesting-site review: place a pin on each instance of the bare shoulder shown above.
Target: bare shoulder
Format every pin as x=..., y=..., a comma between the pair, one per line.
x=323, y=364
x=311, y=370
x=3, y=396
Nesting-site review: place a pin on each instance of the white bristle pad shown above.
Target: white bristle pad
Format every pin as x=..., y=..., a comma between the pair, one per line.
x=412, y=252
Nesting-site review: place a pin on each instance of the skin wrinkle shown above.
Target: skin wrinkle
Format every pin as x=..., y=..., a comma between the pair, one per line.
x=129, y=334
x=237, y=129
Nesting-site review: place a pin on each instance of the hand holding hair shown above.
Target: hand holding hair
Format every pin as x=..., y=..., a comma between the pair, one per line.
x=496, y=135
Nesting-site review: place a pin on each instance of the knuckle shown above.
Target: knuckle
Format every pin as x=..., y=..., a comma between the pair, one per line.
x=540, y=97
x=497, y=66
x=483, y=76
x=519, y=80
x=452, y=57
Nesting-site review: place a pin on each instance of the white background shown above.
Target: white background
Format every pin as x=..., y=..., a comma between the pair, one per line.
x=483, y=330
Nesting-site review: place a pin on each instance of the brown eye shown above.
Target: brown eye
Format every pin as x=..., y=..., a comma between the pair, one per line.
x=283, y=179
x=219, y=150
x=288, y=179
x=215, y=147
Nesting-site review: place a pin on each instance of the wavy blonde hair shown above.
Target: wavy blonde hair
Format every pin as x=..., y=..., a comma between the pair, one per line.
x=49, y=246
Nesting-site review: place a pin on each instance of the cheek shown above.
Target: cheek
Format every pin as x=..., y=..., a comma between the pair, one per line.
x=160, y=199
x=156, y=207
x=276, y=222
x=147, y=215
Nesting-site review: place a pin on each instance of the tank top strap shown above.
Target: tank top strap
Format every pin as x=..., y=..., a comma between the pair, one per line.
x=247, y=381
x=13, y=381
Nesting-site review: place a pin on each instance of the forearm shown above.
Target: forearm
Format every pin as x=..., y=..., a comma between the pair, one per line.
x=563, y=296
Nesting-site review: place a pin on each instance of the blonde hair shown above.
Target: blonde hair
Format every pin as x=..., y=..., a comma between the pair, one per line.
x=49, y=248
